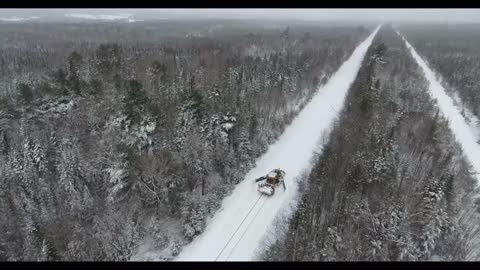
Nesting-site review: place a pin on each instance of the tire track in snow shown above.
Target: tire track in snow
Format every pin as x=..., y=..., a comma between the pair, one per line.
x=246, y=229
x=239, y=226
x=461, y=130
x=292, y=152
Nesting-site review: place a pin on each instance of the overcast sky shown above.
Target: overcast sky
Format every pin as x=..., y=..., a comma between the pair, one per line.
x=403, y=15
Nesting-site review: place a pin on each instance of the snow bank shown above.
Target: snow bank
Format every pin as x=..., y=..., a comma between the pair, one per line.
x=461, y=130
x=238, y=228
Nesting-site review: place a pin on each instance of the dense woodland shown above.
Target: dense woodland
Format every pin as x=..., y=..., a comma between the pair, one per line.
x=454, y=52
x=116, y=136
x=391, y=183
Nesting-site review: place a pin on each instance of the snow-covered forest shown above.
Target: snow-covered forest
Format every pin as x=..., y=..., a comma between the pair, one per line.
x=126, y=139
x=111, y=144
x=392, y=183
x=454, y=53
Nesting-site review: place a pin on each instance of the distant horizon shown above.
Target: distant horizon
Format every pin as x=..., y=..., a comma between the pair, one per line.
x=409, y=16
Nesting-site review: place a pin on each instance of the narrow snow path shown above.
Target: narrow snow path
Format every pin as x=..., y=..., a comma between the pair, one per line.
x=237, y=228
x=461, y=130
x=472, y=121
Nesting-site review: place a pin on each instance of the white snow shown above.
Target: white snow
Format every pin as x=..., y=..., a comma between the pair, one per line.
x=56, y=107
x=100, y=17
x=271, y=174
x=472, y=121
x=228, y=126
x=17, y=19
x=461, y=130
x=245, y=217
x=116, y=175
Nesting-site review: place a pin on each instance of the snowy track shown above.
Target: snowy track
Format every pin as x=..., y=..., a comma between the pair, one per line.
x=237, y=228
x=462, y=131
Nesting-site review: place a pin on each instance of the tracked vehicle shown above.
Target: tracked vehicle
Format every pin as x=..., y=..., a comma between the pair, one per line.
x=273, y=179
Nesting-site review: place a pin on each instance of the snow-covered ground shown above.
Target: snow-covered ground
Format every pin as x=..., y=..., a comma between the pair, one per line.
x=464, y=132
x=237, y=229
x=100, y=17
x=472, y=121
x=17, y=19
